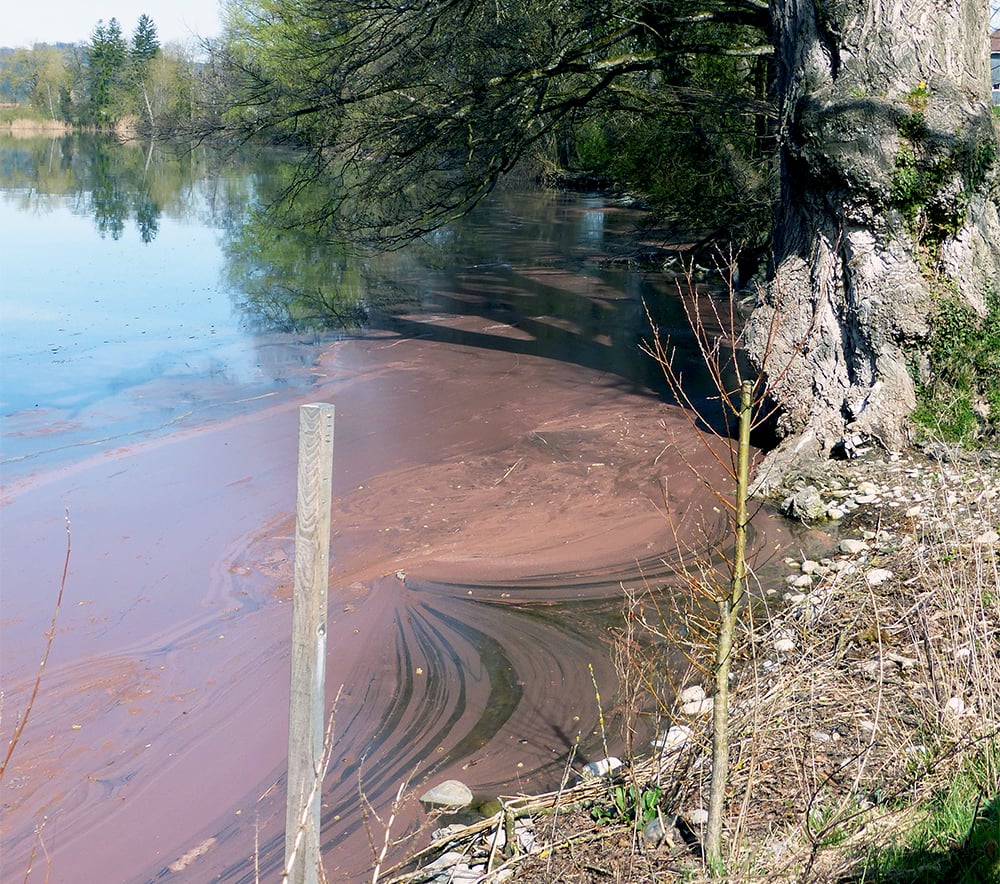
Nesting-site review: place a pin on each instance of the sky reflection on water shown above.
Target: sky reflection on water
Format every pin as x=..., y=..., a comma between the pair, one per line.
x=140, y=290
x=105, y=334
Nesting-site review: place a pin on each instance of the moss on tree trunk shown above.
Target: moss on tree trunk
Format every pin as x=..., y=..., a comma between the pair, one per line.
x=888, y=171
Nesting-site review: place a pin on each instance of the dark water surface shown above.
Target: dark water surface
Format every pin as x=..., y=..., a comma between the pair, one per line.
x=500, y=440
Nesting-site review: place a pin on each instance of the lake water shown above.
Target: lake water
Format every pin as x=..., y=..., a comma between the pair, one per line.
x=118, y=317
x=501, y=441
x=138, y=293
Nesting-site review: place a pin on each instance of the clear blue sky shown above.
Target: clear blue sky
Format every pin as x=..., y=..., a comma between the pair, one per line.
x=24, y=22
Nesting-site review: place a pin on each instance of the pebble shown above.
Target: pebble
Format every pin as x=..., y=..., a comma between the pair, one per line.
x=693, y=694
x=878, y=576
x=784, y=646
x=699, y=707
x=447, y=831
x=460, y=873
x=674, y=738
x=697, y=817
x=955, y=706
x=806, y=504
x=851, y=546
x=446, y=861
x=525, y=834
x=988, y=538
x=655, y=832
x=601, y=767
x=450, y=793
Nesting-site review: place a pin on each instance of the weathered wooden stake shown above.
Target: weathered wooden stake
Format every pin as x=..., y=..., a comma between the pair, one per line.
x=306, y=706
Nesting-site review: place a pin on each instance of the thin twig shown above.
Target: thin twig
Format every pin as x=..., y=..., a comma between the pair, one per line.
x=49, y=636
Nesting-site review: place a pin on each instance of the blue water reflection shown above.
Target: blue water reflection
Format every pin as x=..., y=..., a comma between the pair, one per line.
x=109, y=331
x=140, y=290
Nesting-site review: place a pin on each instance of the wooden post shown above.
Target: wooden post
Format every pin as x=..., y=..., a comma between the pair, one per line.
x=306, y=705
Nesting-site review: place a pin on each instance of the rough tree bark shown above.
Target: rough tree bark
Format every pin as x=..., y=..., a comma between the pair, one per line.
x=888, y=200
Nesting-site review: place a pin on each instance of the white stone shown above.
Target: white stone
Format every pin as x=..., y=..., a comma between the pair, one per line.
x=674, y=738
x=862, y=499
x=867, y=488
x=809, y=566
x=784, y=646
x=446, y=861
x=525, y=834
x=851, y=547
x=988, y=538
x=701, y=707
x=461, y=873
x=450, y=793
x=697, y=817
x=601, y=767
x=955, y=706
x=447, y=831
x=878, y=576
x=692, y=694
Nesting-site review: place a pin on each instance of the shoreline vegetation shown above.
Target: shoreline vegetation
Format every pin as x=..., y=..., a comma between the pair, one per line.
x=27, y=125
x=865, y=711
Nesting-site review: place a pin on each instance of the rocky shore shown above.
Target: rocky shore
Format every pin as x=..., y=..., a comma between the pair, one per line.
x=862, y=679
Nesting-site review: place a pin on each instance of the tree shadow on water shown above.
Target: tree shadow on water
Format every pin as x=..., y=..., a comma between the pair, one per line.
x=490, y=291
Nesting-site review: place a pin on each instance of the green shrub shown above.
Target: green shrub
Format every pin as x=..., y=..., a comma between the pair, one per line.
x=628, y=805
x=961, y=403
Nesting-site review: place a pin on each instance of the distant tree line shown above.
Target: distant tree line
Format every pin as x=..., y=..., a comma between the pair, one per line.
x=106, y=80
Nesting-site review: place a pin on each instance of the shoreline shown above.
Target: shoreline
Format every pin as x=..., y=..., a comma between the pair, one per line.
x=850, y=657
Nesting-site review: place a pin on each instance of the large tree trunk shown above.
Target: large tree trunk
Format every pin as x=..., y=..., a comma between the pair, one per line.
x=888, y=200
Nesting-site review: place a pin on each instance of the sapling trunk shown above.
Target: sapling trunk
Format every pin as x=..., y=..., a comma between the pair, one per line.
x=729, y=607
